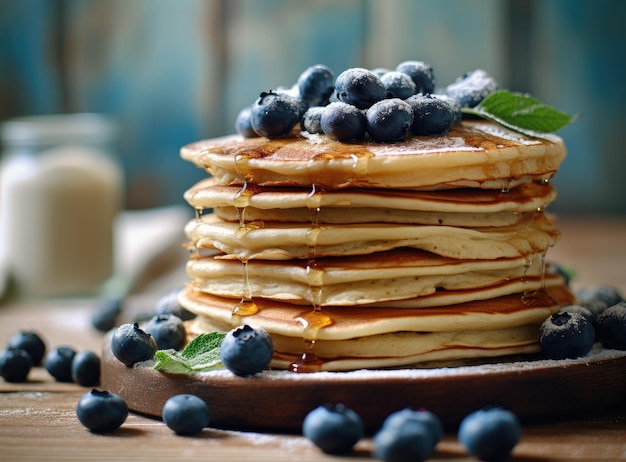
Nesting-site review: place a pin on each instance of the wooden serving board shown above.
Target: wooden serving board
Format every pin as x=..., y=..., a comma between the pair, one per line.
x=279, y=400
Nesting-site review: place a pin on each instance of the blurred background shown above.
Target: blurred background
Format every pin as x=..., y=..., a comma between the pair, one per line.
x=170, y=72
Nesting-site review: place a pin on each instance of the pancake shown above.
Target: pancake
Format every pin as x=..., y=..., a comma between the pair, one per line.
x=474, y=154
x=464, y=207
x=280, y=241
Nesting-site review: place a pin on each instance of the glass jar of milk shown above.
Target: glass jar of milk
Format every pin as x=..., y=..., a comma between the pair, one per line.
x=60, y=190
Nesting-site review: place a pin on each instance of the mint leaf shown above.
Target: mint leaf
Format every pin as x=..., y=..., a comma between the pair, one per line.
x=201, y=354
x=520, y=112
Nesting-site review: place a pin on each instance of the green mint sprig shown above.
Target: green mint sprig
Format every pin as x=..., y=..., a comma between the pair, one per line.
x=200, y=355
x=521, y=113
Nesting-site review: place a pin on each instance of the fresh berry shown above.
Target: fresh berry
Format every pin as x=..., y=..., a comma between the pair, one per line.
x=566, y=335
x=611, y=327
x=167, y=330
x=431, y=116
x=343, y=122
x=609, y=296
x=101, y=411
x=169, y=304
x=15, y=364
x=31, y=343
x=359, y=87
x=401, y=418
x=275, y=114
x=246, y=350
x=398, y=85
x=58, y=363
x=586, y=312
x=471, y=88
x=243, y=123
x=388, y=120
x=421, y=73
x=411, y=441
x=86, y=369
x=335, y=429
x=490, y=433
x=316, y=84
x=132, y=345
x=185, y=414
x=106, y=314
x=312, y=119
x=457, y=114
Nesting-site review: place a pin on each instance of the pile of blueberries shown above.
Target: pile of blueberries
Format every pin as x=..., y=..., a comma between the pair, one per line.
x=598, y=317
x=383, y=104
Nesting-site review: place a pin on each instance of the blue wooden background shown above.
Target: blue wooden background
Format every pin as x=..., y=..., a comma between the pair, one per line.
x=173, y=71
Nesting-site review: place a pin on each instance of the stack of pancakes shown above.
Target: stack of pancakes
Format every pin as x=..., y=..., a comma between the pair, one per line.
x=369, y=255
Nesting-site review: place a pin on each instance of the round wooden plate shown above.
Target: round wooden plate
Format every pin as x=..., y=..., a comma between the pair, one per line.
x=279, y=400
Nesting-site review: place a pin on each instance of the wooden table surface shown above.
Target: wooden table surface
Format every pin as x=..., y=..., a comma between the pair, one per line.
x=38, y=420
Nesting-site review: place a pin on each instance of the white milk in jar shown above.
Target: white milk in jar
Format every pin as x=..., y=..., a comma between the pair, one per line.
x=60, y=192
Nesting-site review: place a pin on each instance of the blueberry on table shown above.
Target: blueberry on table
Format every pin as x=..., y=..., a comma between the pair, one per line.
x=566, y=335
x=15, y=364
x=490, y=434
x=388, y=120
x=398, y=85
x=343, y=122
x=432, y=422
x=132, y=345
x=409, y=442
x=471, y=88
x=246, y=350
x=421, y=73
x=243, y=123
x=359, y=87
x=275, y=114
x=169, y=304
x=431, y=115
x=335, y=429
x=86, y=369
x=316, y=84
x=101, y=411
x=185, y=414
x=58, y=363
x=31, y=343
x=611, y=327
x=167, y=330
x=106, y=313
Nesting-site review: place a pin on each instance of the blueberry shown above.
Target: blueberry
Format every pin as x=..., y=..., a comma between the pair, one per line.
x=15, y=364
x=611, y=327
x=275, y=114
x=31, y=343
x=421, y=73
x=58, y=363
x=433, y=423
x=167, y=330
x=359, y=87
x=471, y=88
x=185, y=414
x=586, y=312
x=398, y=85
x=131, y=345
x=457, y=114
x=169, y=304
x=335, y=429
x=246, y=350
x=343, y=122
x=411, y=441
x=106, y=314
x=101, y=411
x=607, y=295
x=316, y=84
x=431, y=116
x=86, y=369
x=490, y=433
x=312, y=119
x=388, y=120
x=566, y=335
x=243, y=123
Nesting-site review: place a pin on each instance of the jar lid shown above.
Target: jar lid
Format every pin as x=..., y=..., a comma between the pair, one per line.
x=58, y=128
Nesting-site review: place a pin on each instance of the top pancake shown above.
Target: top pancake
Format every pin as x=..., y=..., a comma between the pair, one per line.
x=475, y=154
